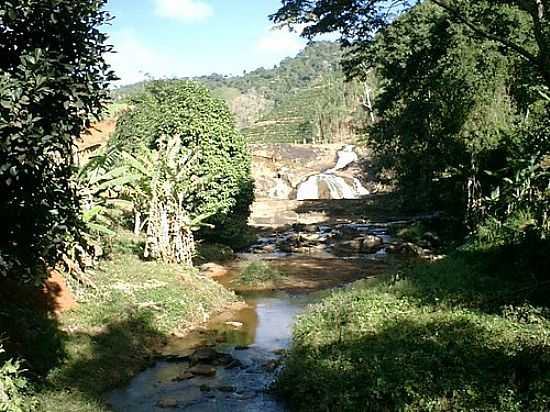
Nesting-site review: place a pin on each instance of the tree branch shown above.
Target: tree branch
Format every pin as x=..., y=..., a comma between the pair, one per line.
x=491, y=36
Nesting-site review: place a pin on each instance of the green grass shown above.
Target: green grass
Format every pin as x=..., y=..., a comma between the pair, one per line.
x=114, y=109
x=451, y=336
x=258, y=274
x=117, y=327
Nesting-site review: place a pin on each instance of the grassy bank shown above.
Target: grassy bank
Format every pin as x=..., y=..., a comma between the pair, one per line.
x=117, y=327
x=458, y=334
x=259, y=276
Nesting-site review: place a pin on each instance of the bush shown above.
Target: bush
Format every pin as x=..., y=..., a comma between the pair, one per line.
x=206, y=127
x=12, y=386
x=53, y=79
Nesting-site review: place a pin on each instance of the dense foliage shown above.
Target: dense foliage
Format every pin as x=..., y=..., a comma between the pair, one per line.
x=53, y=80
x=205, y=128
x=445, y=108
x=462, y=123
x=360, y=21
x=13, y=386
x=462, y=108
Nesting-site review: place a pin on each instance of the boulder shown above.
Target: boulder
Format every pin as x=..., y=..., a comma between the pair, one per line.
x=347, y=247
x=410, y=249
x=204, y=355
x=183, y=377
x=265, y=249
x=203, y=370
x=234, y=324
x=371, y=243
x=213, y=270
x=311, y=237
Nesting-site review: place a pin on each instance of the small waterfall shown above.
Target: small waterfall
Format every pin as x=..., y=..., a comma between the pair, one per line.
x=328, y=185
x=346, y=156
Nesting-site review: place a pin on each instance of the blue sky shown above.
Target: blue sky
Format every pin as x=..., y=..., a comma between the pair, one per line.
x=165, y=38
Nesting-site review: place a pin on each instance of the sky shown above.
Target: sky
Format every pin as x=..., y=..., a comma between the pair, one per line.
x=180, y=38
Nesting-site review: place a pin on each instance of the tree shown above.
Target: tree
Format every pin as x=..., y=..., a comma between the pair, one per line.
x=207, y=134
x=359, y=21
x=445, y=109
x=53, y=81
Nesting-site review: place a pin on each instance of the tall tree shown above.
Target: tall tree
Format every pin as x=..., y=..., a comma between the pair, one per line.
x=358, y=21
x=53, y=81
x=205, y=128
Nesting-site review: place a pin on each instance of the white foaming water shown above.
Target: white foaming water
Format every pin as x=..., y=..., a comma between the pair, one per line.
x=338, y=187
x=346, y=156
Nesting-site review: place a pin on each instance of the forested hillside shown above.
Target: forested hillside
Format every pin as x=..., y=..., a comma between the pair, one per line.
x=303, y=99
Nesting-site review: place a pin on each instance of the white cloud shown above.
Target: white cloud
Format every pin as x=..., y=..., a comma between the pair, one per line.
x=134, y=61
x=185, y=10
x=281, y=40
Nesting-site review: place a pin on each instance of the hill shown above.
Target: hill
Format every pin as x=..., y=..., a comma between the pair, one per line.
x=304, y=99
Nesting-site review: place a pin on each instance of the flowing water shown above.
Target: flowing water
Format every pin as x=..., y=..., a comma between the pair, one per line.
x=328, y=185
x=243, y=348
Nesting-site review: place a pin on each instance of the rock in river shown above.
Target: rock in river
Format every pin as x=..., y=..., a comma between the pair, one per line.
x=204, y=355
x=203, y=370
x=167, y=403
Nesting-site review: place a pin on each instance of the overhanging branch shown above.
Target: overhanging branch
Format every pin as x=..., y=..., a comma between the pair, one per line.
x=491, y=36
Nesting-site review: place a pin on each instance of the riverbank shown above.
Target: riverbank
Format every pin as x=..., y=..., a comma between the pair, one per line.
x=120, y=325
x=458, y=334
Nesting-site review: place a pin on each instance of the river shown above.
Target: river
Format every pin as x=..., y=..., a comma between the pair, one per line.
x=230, y=363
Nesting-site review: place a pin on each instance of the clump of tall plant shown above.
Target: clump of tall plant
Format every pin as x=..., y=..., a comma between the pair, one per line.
x=163, y=191
x=215, y=153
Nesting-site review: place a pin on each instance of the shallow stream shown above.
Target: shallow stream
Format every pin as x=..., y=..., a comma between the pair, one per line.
x=240, y=352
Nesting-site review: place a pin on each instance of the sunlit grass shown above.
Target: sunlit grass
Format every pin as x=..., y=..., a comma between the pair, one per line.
x=117, y=327
x=259, y=273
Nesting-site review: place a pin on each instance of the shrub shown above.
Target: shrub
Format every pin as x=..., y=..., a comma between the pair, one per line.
x=259, y=272
x=12, y=386
x=448, y=337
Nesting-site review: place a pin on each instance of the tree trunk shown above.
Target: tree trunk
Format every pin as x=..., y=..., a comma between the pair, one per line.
x=137, y=223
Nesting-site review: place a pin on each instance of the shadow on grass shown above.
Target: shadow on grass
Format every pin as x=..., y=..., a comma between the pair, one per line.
x=28, y=328
x=450, y=364
x=486, y=281
x=100, y=361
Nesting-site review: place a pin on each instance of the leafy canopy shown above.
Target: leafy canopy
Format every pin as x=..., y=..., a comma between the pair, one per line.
x=53, y=80
x=358, y=22
x=206, y=128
